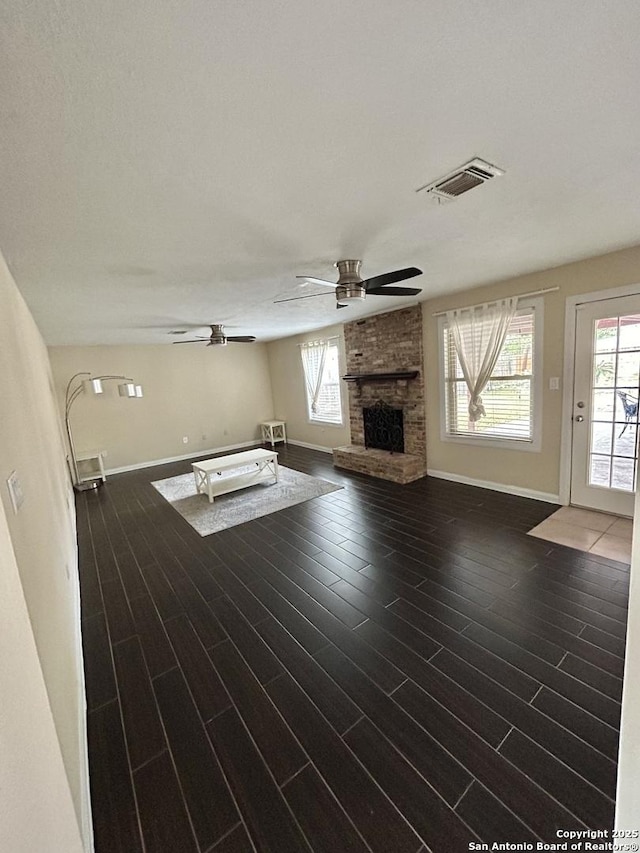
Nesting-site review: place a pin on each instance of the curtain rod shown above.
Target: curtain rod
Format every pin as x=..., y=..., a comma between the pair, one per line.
x=492, y=301
x=319, y=341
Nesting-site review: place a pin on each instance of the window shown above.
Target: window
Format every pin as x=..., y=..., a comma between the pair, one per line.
x=512, y=397
x=322, y=381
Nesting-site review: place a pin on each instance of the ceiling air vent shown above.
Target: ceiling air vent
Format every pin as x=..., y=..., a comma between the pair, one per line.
x=462, y=180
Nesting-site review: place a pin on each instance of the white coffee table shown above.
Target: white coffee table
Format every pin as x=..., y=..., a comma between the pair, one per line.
x=210, y=479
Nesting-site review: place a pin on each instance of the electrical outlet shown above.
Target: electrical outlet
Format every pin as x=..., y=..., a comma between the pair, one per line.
x=554, y=383
x=185, y=439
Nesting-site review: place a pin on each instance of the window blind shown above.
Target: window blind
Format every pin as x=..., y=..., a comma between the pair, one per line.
x=507, y=397
x=328, y=408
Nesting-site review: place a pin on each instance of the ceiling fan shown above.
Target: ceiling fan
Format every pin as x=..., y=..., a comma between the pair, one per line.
x=217, y=337
x=351, y=285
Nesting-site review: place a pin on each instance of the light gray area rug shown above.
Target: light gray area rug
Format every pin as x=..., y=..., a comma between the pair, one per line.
x=245, y=504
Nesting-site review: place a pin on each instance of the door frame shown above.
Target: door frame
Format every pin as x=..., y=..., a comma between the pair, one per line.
x=568, y=375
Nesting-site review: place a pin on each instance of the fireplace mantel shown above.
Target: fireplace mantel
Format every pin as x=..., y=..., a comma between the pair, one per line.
x=359, y=378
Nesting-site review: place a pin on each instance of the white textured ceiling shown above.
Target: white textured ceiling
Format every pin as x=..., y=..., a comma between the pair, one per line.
x=174, y=163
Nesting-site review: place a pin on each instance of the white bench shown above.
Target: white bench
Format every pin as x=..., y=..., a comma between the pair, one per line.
x=210, y=479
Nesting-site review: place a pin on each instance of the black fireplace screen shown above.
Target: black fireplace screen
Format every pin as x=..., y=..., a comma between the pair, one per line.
x=383, y=427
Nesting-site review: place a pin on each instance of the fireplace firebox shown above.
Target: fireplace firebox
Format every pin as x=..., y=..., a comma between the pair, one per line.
x=383, y=427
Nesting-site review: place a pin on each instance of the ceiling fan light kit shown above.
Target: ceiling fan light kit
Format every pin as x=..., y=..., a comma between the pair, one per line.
x=345, y=292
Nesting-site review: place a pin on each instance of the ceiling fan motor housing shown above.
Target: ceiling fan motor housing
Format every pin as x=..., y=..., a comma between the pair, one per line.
x=350, y=284
x=218, y=337
x=349, y=272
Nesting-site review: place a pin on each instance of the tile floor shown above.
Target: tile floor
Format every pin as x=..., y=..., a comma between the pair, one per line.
x=596, y=532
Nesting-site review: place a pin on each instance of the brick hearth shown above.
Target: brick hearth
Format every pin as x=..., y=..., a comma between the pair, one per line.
x=386, y=343
x=397, y=467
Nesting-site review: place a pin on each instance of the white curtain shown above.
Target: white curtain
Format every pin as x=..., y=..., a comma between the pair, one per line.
x=314, y=356
x=478, y=337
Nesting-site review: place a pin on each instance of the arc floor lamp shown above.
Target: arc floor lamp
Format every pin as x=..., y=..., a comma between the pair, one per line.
x=77, y=386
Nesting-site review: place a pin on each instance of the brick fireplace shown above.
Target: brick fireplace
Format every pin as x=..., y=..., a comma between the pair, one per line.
x=384, y=372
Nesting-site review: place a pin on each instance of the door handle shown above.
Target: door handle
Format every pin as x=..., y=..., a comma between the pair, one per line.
x=579, y=418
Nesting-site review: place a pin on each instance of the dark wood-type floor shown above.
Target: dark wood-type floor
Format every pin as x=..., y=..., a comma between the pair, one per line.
x=385, y=668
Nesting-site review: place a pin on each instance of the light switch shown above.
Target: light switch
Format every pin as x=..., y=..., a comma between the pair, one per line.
x=15, y=491
x=554, y=383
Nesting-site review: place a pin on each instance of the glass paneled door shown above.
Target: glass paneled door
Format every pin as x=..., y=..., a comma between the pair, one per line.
x=605, y=405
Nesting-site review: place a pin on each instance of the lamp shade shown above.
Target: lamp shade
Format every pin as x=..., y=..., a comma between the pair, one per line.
x=93, y=385
x=127, y=389
x=139, y=391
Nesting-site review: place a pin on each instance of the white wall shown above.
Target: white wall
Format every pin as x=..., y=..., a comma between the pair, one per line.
x=42, y=542
x=215, y=396
x=37, y=811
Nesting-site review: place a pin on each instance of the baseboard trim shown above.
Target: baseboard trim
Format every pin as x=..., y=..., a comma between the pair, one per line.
x=310, y=446
x=85, y=818
x=199, y=454
x=519, y=491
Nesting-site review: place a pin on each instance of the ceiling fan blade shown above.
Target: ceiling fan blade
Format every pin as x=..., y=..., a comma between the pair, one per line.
x=340, y=305
x=241, y=339
x=394, y=291
x=198, y=341
x=308, y=296
x=313, y=280
x=390, y=277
